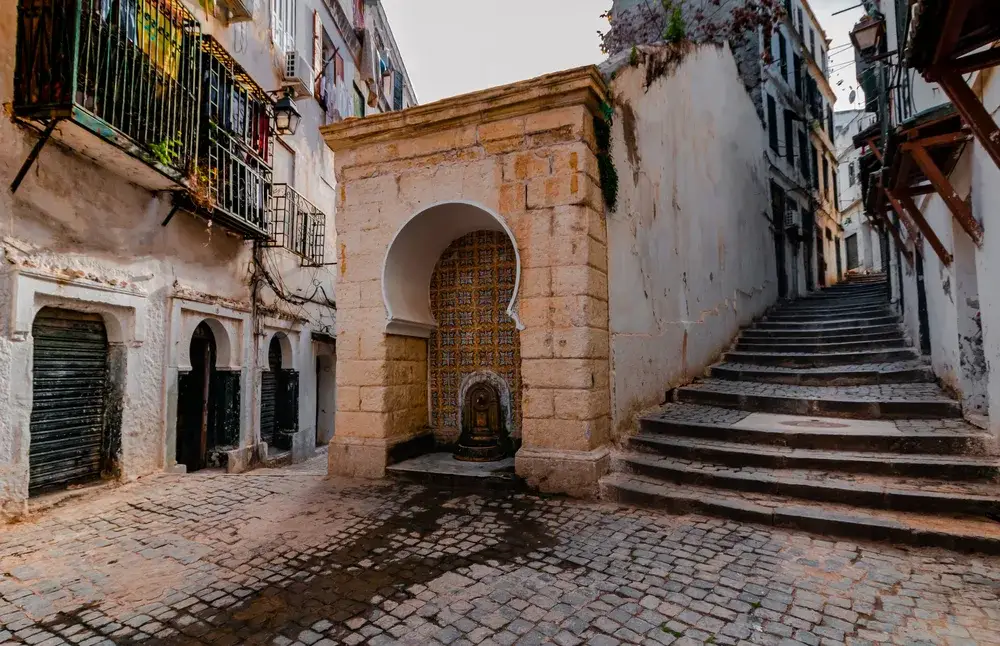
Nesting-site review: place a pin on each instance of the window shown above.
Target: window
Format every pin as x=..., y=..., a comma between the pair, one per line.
x=836, y=191
x=359, y=102
x=772, y=123
x=815, y=168
x=797, y=70
x=802, y=22
x=397, y=92
x=283, y=16
x=829, y=121
x=822, y=60
x=783, y=55
x=804, y=155
x=790, y=137
x=338, y=67
x=812, y=42
x=826, y=176
x=851, y=176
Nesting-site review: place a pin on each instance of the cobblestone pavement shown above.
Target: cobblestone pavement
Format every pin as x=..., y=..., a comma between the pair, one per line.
x=291, y=558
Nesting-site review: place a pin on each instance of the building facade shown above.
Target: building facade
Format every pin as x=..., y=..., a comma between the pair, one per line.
x=168, y=283
x=862, y=241
x=930, y=180
x=785, y=73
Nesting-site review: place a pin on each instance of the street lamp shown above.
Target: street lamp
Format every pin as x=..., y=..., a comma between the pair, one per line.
x=867, y=34
x=286, y=115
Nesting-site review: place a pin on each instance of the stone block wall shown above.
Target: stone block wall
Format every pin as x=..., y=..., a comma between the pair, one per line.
x=524, y=155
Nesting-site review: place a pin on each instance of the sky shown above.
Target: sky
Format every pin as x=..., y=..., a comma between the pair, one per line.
x=452, y=47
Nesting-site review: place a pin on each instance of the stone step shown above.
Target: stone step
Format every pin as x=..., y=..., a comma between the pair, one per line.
x=874, y=492
x=910, y=465
x=964, y=533
x=442, y=470
x=904, y=372
x=825, y=316
x=806, y=308
x=800, y=345
x=814, y=360
x=917, y=401
x=869, y=333
x=824, y=324
x=943, y=437
x=847, y=295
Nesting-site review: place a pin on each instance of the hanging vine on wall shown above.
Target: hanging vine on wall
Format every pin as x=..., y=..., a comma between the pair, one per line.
x=605, y=164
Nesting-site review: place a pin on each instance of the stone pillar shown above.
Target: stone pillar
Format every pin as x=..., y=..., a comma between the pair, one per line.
x=564, y=308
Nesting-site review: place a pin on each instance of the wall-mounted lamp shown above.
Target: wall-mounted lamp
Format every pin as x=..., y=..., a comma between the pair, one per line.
x=286, y=115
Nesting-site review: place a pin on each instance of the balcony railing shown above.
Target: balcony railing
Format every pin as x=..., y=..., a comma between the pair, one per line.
x=128, y=71
x=297, y=225
x=233, y=169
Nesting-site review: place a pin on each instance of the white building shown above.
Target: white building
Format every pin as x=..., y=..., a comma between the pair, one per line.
x=934, y=182
x=169, y=254
x=862, y=241
x=799, y=118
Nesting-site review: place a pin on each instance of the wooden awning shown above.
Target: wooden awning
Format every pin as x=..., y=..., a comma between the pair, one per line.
x=919, y=156
x=949, y=38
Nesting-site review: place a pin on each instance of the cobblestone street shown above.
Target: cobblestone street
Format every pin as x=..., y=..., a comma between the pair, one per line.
x=282, y=557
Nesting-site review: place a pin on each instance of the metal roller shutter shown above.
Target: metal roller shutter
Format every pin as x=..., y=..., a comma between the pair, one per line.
x=268, y=418
x=69, y=385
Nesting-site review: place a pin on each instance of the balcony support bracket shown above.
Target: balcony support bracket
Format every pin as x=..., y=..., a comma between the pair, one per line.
x=173, y=212
x=33, y=155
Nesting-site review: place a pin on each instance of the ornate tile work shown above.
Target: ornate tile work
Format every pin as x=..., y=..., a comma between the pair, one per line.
x=472, y=285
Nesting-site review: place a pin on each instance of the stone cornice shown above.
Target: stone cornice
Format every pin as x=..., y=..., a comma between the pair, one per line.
x=579, y=86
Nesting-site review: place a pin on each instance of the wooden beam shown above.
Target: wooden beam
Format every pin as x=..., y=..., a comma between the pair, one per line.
x=951, y=29
x=977, y=61
x=913, y=191
x=875, y=150
x=973, y=113
x=899, y=240
x=911, y=230
x=940, y=140
x=947, y=192
x=907, y=203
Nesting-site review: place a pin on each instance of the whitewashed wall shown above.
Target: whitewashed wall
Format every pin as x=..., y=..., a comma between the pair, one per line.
x=691, y=252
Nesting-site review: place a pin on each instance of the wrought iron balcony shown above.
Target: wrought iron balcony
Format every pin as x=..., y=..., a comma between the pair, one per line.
x=231, y=181
x=127, y=71
x=297, y=225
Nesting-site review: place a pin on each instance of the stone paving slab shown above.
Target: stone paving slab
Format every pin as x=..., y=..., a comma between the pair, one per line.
x=259, y=559
x=865, y=393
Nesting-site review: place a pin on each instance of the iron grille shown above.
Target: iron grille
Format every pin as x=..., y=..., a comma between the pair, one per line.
x=235, y=144
x=116, y=67
x=297, y=225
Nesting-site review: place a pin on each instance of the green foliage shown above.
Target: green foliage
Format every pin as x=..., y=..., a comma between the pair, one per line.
x=633, y=58
x=670, y=631
x=605, y=164
x=676, y=30
x=167, y=151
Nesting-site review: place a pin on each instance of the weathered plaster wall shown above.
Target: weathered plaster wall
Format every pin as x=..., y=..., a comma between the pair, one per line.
x=78, y=235
x=691, y=252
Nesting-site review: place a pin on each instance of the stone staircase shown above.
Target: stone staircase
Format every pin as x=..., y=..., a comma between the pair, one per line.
x=821, y=418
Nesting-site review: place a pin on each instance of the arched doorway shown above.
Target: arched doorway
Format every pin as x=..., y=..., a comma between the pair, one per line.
x=279, y=396
x=70, y=441
x=470, y=291
x=195, y=409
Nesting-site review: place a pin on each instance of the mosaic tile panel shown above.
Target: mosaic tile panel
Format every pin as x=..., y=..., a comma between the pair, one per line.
x=472, y=285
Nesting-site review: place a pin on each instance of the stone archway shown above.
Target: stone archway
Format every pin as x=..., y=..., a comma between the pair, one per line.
x=414, y=253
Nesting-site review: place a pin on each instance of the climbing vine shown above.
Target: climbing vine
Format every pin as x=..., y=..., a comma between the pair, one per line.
x=605, y=164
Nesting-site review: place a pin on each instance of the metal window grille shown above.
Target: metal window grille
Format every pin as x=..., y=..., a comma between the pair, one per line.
x=128, y=65
x=235, y=144
x=297, y=225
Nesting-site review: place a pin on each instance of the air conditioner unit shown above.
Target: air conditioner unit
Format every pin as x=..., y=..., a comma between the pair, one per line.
x=793, y=219
x=297, y=74
x=238, y=10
